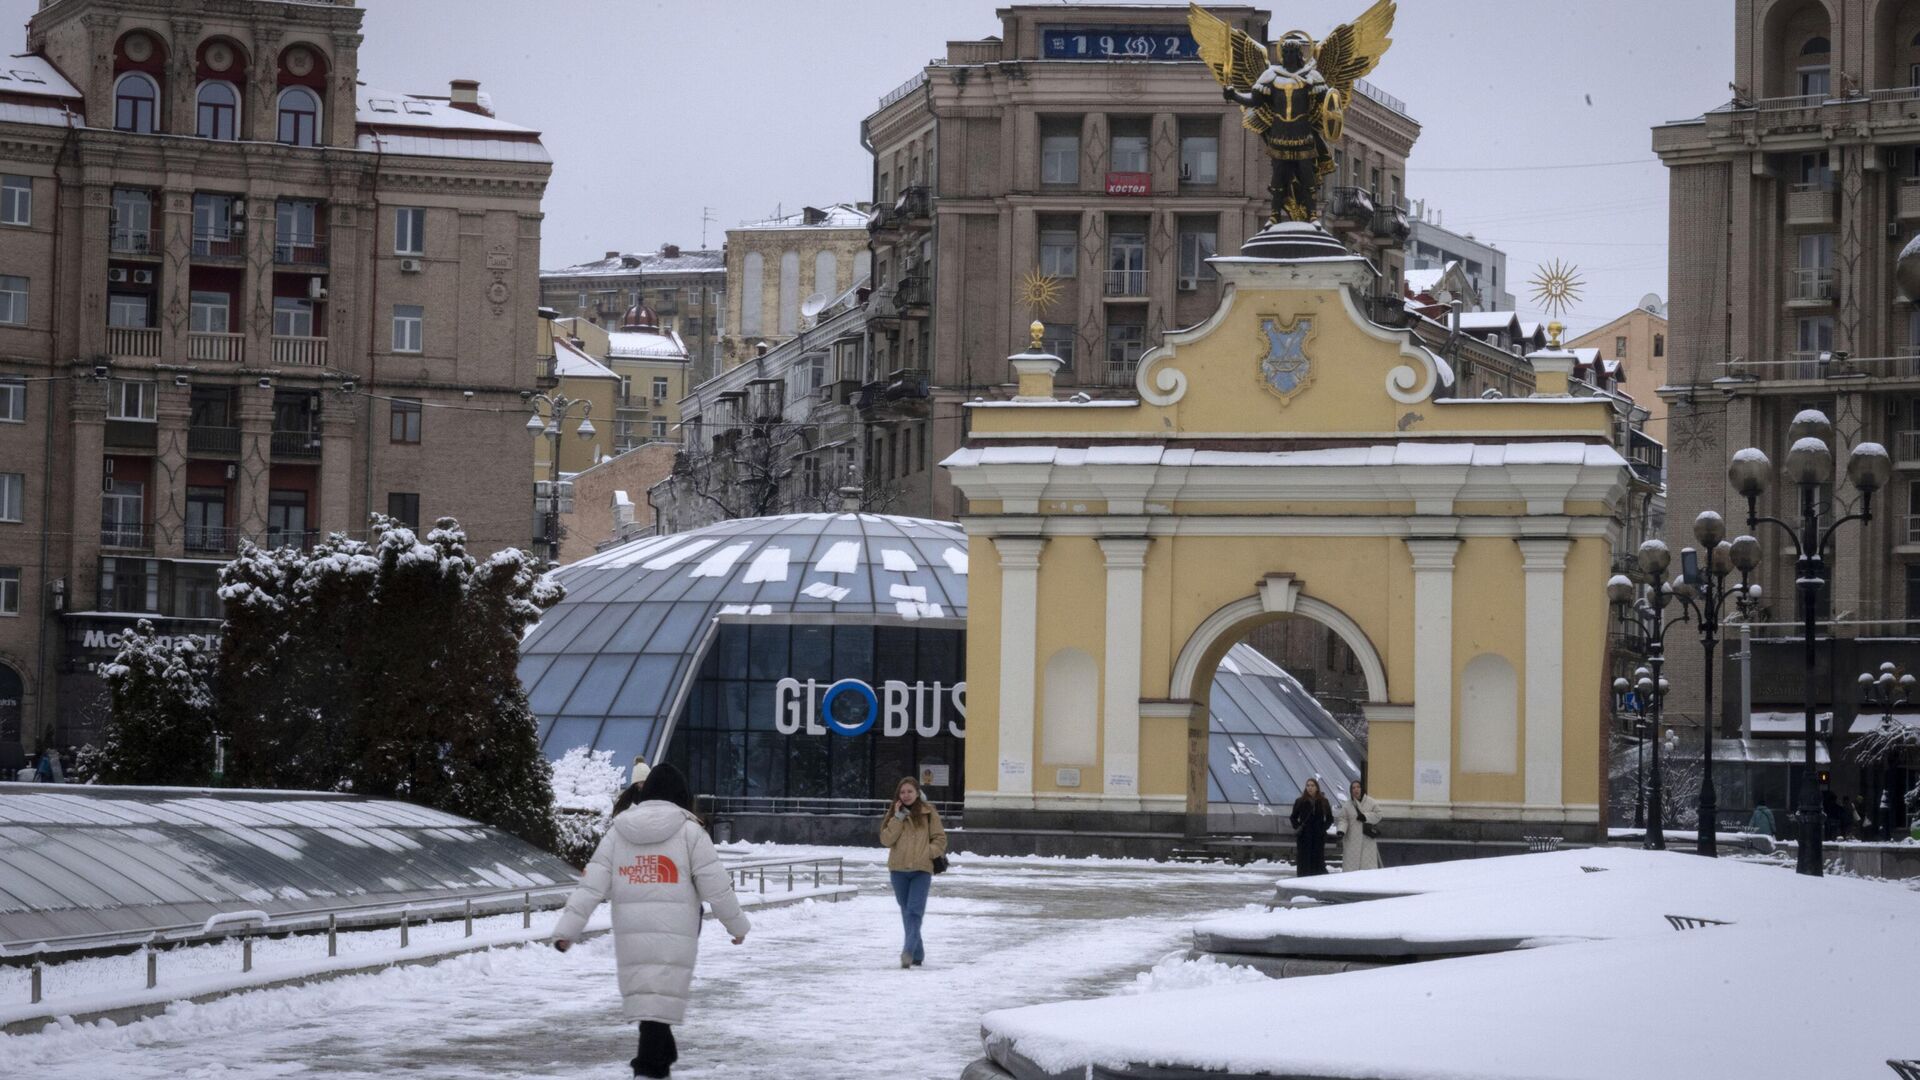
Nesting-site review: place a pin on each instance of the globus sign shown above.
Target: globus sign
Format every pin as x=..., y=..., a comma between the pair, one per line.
x=851, y=707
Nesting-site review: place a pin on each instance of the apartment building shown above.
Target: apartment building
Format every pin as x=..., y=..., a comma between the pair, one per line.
x=1789, y=205
x=1090, y=147
x=1430, y=246
x=1637, y=342
x=775, y=266
x=685, y=288
x=242, y=294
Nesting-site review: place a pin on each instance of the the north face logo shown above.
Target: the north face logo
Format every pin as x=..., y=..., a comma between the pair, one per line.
x=651, y=870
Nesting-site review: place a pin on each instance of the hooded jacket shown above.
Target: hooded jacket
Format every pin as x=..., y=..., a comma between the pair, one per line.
x=914, y=841
x=656, y=864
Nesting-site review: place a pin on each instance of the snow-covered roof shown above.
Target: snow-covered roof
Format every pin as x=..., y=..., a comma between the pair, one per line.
x=1480, y=322
x=388, y=109
x=417, y=126
x=837, y=216
x=32, y=75
x=1406, y=453
x=645, y=345
x=572, y=362
x=84, y=860
x=646, y=263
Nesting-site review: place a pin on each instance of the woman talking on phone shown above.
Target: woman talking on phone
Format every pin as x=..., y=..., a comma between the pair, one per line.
x=916, y=850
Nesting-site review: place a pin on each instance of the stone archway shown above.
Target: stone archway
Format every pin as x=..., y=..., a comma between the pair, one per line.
x=1278, y=595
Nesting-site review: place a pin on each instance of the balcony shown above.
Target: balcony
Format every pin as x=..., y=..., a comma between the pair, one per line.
x=127, y=241
x=1909, y=207
x=219, y=244
x=1127, y=283
x=298, y=445
x=293, y=538
x=1390, y=222
x=1811, y=203
x=217, y=348
x=1810, y=286
x=126, y=536
x=910, y=292
x=1351, y=206
x=300, y=351
x=1388, y=310
x=224, y=441
x=134, y=342
x=299, y=250
x=131, y=434
x=212, y=539
x=1118, y=372
x=1906, y=449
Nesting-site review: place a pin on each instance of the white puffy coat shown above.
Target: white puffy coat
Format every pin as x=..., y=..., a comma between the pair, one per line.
x=656, y=865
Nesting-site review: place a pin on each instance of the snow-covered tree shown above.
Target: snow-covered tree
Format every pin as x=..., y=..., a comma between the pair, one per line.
x=585, y=784
x=161, y=731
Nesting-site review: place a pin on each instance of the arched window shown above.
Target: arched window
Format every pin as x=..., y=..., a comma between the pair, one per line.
x=136, y=102
x=299, y=117
x=1816, y=46
x=219, y=111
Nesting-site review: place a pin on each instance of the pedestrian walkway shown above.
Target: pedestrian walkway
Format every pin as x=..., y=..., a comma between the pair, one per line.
x=815, y=993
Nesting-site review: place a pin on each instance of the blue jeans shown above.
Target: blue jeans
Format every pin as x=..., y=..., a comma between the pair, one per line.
x=910, y=889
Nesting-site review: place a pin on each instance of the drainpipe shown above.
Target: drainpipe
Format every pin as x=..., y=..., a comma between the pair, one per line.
x=373, y=323
x=48, y=623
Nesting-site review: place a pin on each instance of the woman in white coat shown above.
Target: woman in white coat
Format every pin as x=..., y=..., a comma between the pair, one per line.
x=1358, y=851
x=656, y=864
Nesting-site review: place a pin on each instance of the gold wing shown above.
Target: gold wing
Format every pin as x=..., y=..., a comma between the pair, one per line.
x=1352, y=50
x=1235, y=58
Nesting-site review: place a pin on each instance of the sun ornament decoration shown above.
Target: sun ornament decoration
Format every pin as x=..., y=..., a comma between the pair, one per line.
x=1039, y=291
x=1556, y=287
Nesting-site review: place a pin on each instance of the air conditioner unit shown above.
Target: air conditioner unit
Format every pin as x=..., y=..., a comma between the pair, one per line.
x=106, y=484
x=143, y=277
x=409, y=266
x=239, y=208
x=1188, y=284
x=316, y=288
x=237, y=226
x=108, y=466
x=233, y=471
x=1186, y=170
x=116, y=274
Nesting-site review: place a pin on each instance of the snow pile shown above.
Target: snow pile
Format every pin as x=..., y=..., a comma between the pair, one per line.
x=587, y=780
x=1504, y=870
x=1179, y=973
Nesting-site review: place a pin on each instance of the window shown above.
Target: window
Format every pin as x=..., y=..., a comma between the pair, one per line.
x=1816, y=172
x=129, y=310
x=16, y=200
x=406, y=420
x=207, y=519
x=292, y=316
x=404, y=508
x=1814, y=77
x=1619, y=346
x=1057, y=338
x=9, y=590
x=409, y=231
x=1199, y=240
x=626, y=388
x=129, y=400
x=210, y=407
x=13, y=401
x=1059, y=252
x=13, y=498
x=1129, y=146
x=135, y=100
x=219, y=111
x=408, y=323
x=660, y=385
x=213, y=225
x=1200, y=156
x=1373, y=183
x=132, y=222
x=1816, y=251
x=287, y=518
x=1060, y=151
x=209, y=313
x=659, y=429
x=299, y=117
x=129, y=584
x=123, y=515
x=1659, y=344
x=1814, y=336
x=1127, y=262
x=1125, y=344
x=295, y=224
x=13, y=300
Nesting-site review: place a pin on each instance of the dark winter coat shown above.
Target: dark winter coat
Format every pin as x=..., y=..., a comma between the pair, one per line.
x=1311, y=818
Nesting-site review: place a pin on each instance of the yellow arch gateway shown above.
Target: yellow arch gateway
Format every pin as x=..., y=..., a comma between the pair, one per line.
x=1289, y=458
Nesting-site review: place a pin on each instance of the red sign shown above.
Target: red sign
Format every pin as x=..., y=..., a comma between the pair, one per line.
x=1129, y=183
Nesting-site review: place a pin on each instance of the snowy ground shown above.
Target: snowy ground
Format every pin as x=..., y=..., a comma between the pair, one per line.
x=815, y=993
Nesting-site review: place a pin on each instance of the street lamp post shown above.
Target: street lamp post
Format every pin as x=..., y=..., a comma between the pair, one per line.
x=558, y=407
x=1810, y=464
x=1638, y=712
x=1649, y=608
x=1705, y=593
x=1884, y=690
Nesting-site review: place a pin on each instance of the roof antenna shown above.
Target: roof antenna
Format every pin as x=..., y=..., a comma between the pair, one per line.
x=706, y=218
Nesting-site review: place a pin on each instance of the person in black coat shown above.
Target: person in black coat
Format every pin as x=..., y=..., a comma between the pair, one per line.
x=1311, y=817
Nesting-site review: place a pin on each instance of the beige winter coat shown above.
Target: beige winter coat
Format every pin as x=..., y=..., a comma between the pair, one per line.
x=656, y=865
x=915, y=840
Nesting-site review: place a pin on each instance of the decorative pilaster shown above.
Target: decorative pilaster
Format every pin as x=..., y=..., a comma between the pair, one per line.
x=1019, y=611
x=1432, y=668
x=1126, y=573
x=1545, y=565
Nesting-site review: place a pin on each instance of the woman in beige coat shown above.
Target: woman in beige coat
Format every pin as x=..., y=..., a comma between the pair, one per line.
x=1358, y=851
x=913, y=838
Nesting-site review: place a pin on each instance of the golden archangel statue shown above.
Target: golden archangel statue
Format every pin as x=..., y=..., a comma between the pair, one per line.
x=1294, y=95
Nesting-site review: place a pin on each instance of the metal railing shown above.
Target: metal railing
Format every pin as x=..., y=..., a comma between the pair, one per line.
x=300, y=351
x=296, y=444
x=1906, y=446
x=212, y=539
x=913, y=83
x=1813, y=283
x=300, y=250
x=213, y=440
x=1119, y=372
x=711, y=805
x=134, y=341
x=122, y=240
x=216, y=348
x=126, y=536
x=1912, y=532
x=1126, y=283
x=741, y=873
x=1368, y=90
x=1821, y=364
x=219, y=244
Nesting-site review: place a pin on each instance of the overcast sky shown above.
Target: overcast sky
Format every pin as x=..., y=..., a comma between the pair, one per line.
x=656, y=110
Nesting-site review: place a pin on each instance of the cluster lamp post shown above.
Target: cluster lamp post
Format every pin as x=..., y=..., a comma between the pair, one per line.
x=558, y=406
x=1887, y=692
x=1810, y=465
x=1703, y=590
x=1648, y=607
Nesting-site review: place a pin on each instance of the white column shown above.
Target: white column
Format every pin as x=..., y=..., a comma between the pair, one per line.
x=1432, y=669
x=1019, y=596
x=1120, y=720
x=1545, y=565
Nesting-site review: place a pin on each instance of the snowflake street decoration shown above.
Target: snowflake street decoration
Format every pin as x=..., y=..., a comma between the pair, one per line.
x=1556, y=287
x=1039, y=291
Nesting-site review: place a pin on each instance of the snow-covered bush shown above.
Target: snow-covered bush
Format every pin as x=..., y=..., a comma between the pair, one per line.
x=161, y=731
x=585, y=784
x=86, y=765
